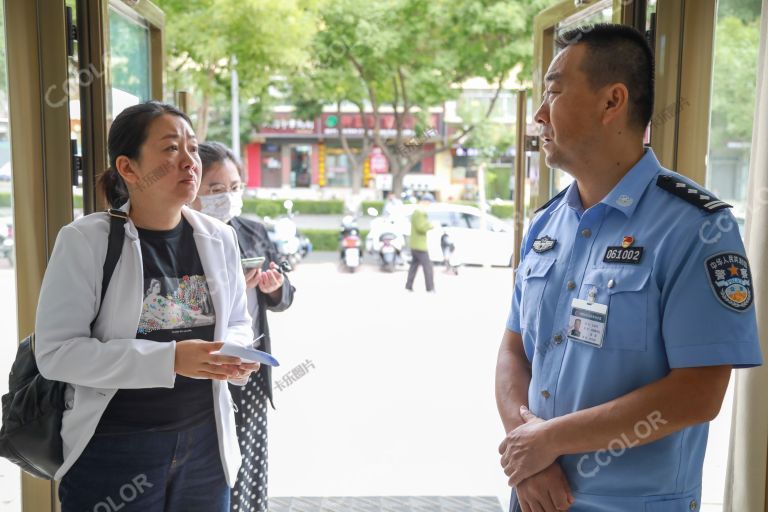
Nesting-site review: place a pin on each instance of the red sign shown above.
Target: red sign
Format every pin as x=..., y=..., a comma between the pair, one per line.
x=379, y=163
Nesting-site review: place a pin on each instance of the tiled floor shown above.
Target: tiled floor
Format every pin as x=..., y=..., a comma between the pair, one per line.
x=387, y=504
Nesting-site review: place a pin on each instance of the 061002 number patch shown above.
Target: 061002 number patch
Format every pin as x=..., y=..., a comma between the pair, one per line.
x=631, y=255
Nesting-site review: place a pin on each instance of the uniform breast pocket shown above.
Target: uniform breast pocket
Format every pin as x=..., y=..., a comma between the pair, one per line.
x=535, y=274
x=624, y=291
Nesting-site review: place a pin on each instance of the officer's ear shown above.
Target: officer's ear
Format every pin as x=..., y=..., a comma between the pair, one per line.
x=615, y=104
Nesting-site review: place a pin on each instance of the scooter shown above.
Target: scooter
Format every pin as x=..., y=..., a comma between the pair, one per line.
x=388, y=245
x=350, y=245
x=390, y=250
x=286, y=236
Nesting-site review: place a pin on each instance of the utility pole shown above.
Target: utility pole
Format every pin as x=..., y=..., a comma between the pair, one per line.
x=235, y=109
x=481, y=199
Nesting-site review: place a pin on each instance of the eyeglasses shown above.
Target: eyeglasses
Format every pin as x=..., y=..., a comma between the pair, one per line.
x=221, y=189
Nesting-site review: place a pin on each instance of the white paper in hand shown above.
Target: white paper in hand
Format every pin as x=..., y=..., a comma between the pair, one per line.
x=248, y=355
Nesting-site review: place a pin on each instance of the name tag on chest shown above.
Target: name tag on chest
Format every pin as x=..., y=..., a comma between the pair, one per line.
x=631, y=255
x=587, y=322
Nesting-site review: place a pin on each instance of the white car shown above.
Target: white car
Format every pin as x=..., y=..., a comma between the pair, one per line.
x=493, y=245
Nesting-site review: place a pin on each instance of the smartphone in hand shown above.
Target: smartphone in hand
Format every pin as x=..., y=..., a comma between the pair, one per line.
x=251, y=263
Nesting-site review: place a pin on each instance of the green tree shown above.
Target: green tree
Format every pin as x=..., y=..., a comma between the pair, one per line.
x=202, y=36
x=735, y=77
x=407, y=56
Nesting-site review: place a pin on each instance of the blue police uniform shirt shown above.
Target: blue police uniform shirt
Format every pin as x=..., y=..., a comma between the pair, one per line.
x=685, y=302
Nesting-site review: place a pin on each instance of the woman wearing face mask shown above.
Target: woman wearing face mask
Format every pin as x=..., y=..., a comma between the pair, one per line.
x=221, y=196
x=149, y=424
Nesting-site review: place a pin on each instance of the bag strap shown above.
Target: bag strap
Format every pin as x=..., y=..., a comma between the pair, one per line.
x=117, y=220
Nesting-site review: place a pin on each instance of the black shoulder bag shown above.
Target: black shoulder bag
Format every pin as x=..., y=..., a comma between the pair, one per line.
x=33, y=407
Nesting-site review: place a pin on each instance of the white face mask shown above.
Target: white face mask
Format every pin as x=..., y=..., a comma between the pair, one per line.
x=222, y=206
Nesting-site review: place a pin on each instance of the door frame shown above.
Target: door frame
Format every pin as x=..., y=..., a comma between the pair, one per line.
x=39, y=125
x=93, y=27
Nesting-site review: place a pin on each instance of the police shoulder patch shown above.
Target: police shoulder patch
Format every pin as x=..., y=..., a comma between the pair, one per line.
x=693, y=194
x=731, y=280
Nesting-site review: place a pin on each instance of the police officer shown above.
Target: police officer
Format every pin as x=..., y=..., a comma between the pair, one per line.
x=614, y=417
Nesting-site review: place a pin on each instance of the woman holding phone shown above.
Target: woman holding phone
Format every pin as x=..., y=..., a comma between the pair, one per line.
x=221, y=196
x=148, y=405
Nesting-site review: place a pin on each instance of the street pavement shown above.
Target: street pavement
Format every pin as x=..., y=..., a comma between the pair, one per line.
x=391, y=392
x=401, y=399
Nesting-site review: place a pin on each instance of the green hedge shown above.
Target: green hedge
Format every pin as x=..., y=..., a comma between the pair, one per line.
x=497, y=182
x=503, y=211
x=263, y=208
x=379, y=205
x=274, y=207
x=327, y=239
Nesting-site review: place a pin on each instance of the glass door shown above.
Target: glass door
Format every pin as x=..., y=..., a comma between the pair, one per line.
x=732, y=110
x=129, y=60
x=10, y=477
x=121, y=49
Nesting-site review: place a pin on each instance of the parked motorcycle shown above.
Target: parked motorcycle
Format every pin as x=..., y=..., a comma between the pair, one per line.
x=291, y=244
x=390, y=243
x=350, y=244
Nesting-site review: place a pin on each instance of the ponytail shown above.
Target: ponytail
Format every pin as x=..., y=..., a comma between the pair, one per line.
x=113, y=187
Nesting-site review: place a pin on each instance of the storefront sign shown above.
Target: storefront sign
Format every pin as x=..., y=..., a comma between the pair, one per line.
x=379, y=163
x=355, y=124
x=285, y=124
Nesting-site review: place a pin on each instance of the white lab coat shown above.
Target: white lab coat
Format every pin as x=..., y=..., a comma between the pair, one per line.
x=97, y=364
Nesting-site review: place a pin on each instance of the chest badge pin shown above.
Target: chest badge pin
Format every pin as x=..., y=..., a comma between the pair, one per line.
x=543, y=244
x=627, y=242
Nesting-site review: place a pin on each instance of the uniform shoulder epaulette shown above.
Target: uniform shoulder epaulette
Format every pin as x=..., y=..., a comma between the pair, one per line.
x=690, y=193
x=558, y=196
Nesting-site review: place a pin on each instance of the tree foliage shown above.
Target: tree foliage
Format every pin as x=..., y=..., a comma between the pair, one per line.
x=407, y=56
x=735, y=77
x=265, y=36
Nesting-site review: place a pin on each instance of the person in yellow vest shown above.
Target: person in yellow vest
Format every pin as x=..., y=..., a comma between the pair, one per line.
x=420, y=226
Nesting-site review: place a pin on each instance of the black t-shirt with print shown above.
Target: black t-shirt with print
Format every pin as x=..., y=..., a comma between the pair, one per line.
x=177, y=306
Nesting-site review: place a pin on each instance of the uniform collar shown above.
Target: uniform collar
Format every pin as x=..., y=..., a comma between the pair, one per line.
x=626, y=194
x=572, y=198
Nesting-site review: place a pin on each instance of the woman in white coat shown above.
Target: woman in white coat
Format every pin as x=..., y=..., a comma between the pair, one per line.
x=149, y=424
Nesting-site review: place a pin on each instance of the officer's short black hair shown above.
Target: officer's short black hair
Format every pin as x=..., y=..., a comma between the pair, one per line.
x=617, y=53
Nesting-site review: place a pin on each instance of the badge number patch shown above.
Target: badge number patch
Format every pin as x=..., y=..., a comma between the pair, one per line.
x=731, y=280
x=543, y=244
x=631, y=255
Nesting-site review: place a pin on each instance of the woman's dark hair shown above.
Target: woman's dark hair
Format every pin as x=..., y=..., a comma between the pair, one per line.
x=126, y=136
x=212, y=153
